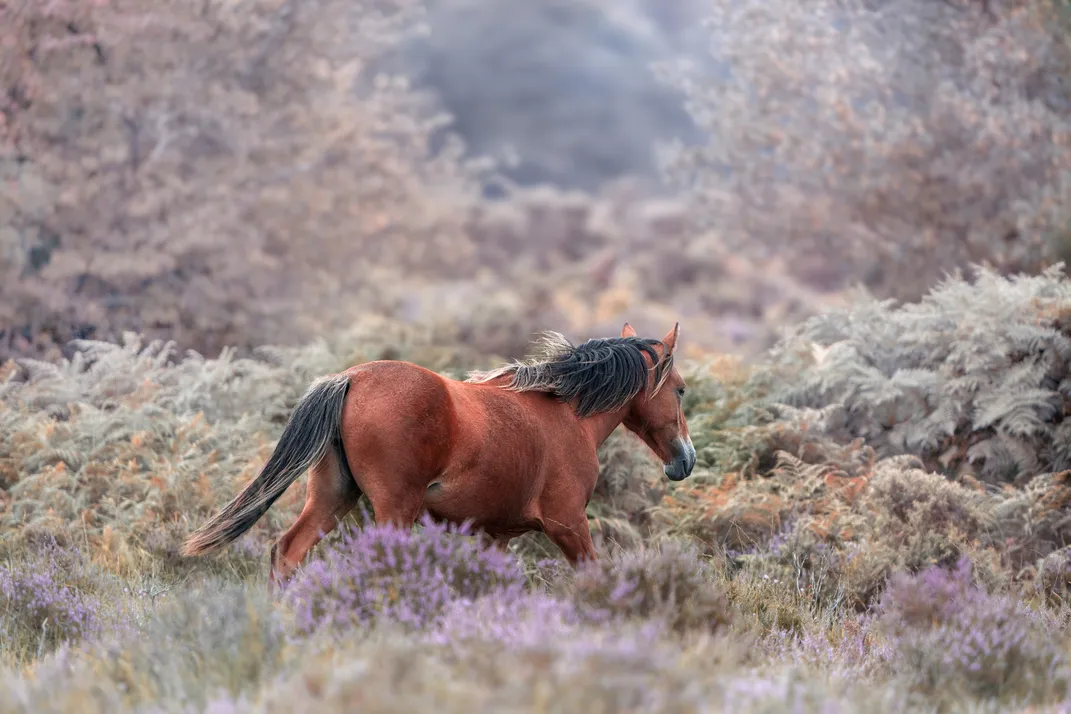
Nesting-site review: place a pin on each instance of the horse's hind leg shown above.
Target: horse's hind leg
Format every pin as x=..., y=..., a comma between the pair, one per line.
x=395, y=492
x=399, y=507
x=330, y=495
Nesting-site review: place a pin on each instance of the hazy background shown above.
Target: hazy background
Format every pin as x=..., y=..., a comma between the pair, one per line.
x=233, y=173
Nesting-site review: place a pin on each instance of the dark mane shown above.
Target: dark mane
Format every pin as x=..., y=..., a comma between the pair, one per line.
x=601, y=374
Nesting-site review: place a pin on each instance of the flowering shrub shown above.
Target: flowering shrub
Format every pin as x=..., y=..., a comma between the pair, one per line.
x=670, y=582
x=599, y=669
x=380, y=571
x=217, y=636
x=952, y=635
x=521, y=619
x=850, y=653
x=198, y=650
x=40, y=607
x=935, y=595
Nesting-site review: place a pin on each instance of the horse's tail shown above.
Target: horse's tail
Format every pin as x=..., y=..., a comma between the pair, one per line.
x=313, y=427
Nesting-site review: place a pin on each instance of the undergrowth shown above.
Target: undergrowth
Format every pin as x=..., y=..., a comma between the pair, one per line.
x=811, y=558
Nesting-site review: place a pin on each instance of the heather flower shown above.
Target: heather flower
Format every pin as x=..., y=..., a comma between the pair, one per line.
x=537, y=623
x=935, y=595
x=991, y=649
x=406, y=577
x=847, y=652
x=619, y=666
x=206, y=641
x=670, y=582
x=519, y=619
x=950, y=635
x=40, y=602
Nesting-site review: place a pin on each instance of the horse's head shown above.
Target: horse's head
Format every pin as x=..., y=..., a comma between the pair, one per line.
x=656, y=414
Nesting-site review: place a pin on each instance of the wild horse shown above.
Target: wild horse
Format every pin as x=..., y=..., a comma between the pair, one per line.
x=511, y=450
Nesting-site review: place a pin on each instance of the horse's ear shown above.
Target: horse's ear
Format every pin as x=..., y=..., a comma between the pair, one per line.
x=627, y=331
x=670, y=340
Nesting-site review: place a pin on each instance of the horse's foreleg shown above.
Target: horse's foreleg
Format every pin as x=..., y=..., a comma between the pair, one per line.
x=573, y=537
x=330, y=496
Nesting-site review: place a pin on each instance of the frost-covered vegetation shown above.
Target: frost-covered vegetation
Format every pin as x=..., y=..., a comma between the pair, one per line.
x=205, y=205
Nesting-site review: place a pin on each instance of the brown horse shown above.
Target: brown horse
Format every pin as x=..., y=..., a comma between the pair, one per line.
x=510, y=451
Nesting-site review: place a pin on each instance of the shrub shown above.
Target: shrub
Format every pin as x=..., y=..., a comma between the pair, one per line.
x=167, y=156
x=1052, y=579
x=833, y=530
x=382, y=573
x=883, y=143
x=47, y=599
x=921, y=517
x=193, y=647
x=844, y=650
x=970, y=378
x=217, y=636
x=512, y=619
x=1031, y=522
x=122, y=443
x=668, y=582
x=934, y=595
x=952, y=636
x=597, y=670
x=938, y=504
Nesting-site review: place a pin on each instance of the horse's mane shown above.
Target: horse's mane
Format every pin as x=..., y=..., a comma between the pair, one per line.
x=601, y=374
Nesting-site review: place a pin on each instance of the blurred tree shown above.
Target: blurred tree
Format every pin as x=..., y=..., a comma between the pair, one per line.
x=208, y=171
x=886, y=142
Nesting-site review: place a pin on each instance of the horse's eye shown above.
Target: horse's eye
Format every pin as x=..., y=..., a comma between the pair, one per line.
x=680, y=391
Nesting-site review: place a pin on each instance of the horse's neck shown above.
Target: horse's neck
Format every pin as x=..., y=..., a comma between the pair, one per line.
x=600, y=426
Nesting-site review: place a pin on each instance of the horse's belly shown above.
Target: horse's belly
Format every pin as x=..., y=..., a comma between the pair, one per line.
x=491, y=503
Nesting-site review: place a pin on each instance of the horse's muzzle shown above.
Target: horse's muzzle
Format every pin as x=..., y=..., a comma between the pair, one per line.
x=683, y=461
